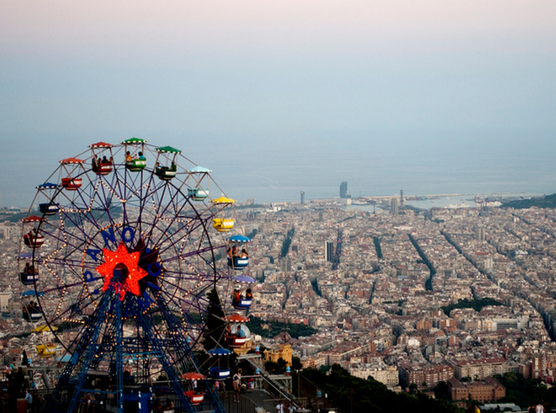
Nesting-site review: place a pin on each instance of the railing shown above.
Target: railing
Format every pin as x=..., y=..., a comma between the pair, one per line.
x=234, y=403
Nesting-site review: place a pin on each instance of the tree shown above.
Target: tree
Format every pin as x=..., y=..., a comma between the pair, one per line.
x=282, y=365
x=215, y=322
x=296, y=363
x=442, y=391
x=370, y=395
x=271, y=367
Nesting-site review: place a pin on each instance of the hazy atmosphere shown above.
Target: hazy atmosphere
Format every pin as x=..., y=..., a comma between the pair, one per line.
x=279, y=97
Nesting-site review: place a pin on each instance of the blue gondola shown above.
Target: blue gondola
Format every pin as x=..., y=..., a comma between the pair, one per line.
x=31, y=315
x=238, y=258
x=48, y=208
x=238, y=263
x=218, y=372
x=31, y=312
x=198, y=194
x=243, y=303
x=28, y=278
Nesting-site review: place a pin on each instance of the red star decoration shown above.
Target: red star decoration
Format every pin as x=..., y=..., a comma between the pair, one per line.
x=131, y=261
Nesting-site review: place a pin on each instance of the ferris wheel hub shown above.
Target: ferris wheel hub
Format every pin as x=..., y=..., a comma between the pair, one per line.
x=113, y=268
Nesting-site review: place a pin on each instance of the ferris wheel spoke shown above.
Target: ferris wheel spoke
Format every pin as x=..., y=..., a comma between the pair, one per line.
x=161, y=214
x=59, y=288
x=198, y=252
x=71, y=312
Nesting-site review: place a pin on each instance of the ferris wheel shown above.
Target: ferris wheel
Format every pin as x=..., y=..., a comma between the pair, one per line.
x=119, y=263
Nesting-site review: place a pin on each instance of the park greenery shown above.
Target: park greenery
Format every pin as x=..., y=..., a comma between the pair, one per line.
x=350, y=393
x=477, y=305
x=525, y=392
x=273, y=328
x=547, y=201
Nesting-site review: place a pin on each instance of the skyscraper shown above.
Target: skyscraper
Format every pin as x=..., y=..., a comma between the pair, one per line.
x=329, y=251
x=344, y=189
x=394, y=206
x=480, y=233
x=302, y=197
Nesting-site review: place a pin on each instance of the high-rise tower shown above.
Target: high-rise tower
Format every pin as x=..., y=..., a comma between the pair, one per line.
x=480, y=233
x=394, y=206
x=344, y=189
x=302, y=193
x=329, y=251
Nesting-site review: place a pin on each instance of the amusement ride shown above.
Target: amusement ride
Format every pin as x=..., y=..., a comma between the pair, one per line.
x=123, y=256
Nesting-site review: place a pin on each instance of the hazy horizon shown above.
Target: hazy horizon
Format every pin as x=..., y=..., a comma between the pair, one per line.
x=275, y=98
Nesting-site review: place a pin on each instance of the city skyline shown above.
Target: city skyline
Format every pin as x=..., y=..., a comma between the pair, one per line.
x=414, y=298
x=289, y=97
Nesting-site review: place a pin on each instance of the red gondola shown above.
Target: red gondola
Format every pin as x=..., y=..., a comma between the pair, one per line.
x=237, y=334
x=71, y=165
x=33, y=239
x=101, y=166
x=194, y=397
x=72, y=184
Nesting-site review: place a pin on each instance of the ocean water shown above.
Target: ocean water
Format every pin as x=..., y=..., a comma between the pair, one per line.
x=276, y=168
x=465, y=170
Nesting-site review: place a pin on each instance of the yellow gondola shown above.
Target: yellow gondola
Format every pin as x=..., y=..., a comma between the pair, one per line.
x=46, y=350
x=223, y=224
x=223, y=200
x=44, y=328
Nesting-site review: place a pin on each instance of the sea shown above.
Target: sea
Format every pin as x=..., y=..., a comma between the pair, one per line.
x=468, y=168
x=278, y=170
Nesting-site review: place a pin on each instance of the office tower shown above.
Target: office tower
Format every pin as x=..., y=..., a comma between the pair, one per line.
x=285, y=264
x=329, y=251
x=5, y=301
x=394, y=206
x=344, y=189
x=402, y=199
x=302, y=197
x=480, y=233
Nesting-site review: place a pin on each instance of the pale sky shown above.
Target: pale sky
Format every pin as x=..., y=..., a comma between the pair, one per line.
x=282, y=96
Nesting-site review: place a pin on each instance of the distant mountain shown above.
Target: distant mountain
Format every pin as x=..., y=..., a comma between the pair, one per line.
x=547, y=201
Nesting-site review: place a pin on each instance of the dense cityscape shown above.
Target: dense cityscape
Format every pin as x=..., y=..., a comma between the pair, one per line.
x=409, y=297
x=278, y=207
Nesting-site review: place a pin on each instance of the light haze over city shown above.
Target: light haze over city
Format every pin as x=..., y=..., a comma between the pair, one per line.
x=287, y=96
